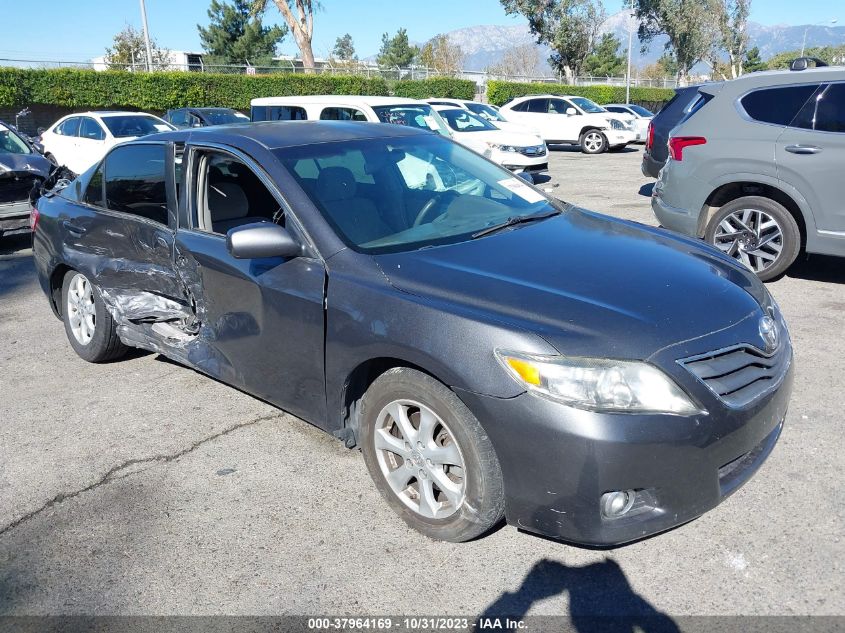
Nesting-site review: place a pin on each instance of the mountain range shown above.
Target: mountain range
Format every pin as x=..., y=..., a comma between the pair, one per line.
x=485, y=45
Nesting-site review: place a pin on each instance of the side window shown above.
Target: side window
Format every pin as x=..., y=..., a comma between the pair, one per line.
x=538, y=105
x=777, y=105
x=558, y=106
x=94, y=192
x=135, y=181
x=278, y=113
x=179, y=118
x=91, y=130
x=342, y=114
x=520, y=107
x=232, y=195
x=825, y=112
x=616, y=109
x=69, y=128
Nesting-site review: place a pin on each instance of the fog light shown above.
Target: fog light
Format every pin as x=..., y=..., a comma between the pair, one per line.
x=617, y=503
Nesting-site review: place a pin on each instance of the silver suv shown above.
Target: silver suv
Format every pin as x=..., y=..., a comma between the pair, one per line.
x=757, y=168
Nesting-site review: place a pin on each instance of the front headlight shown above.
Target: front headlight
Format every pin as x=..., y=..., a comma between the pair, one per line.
x=616, y=124
x=502, y=148
x=599, y=384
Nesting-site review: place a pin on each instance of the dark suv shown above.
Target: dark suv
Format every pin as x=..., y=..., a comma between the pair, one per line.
x=657, y=141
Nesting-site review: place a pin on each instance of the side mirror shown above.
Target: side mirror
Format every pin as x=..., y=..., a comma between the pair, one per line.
x=526, y=176
x=261, y=239
x=38, y=147
x=571, y=111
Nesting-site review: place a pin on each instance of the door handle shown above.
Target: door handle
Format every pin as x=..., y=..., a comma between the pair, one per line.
x=803, y=149
x=74, y=229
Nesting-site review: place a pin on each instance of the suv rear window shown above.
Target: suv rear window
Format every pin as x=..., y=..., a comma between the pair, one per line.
x=777, y=105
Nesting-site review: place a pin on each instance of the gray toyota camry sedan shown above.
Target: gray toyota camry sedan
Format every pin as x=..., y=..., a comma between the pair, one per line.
x=494, y=353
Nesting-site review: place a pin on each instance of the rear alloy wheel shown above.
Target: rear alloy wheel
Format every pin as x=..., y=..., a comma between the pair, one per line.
x=429, y=457
x=89, y=326
x=593, y=142
x=758, y=232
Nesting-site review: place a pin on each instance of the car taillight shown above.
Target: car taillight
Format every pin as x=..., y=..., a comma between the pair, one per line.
x=678, y=143
x=650, y=140
x=33, y=218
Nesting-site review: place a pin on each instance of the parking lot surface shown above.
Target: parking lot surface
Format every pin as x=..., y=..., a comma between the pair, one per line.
x=142, y=487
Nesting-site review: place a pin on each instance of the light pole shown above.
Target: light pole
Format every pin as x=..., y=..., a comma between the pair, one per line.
x=630, y=44
x=147, y=36
x=809, y=26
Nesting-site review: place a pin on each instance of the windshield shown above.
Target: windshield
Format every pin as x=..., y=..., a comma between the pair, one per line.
x=11, y=143
x=221, y=117
x=485, y=111
x=123, y=126
x=590, y=107
x=406, y=193
x=641, y=110
x=415, y=115
x=463, y=121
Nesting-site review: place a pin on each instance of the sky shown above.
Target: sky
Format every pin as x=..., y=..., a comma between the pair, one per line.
x=86, y=29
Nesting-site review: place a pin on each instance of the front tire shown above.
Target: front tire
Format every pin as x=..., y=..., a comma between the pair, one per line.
x=429, y=457
x=593, y=142
x=758, y=232
x=89, y=326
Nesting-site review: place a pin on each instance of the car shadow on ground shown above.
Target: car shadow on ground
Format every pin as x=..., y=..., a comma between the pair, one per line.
x=16, y=266
x=576, y=149
x=646, y=189
x=818, y=268
x=600, y=600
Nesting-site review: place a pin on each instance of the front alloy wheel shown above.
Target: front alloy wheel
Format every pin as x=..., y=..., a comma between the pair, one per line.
x=593, y=142
x=758, y=232
x=81, y=312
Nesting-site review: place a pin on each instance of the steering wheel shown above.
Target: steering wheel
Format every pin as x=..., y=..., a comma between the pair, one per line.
x=426, y=209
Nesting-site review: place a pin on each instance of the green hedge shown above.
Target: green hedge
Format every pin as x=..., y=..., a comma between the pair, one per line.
x=444, y=87
x=162, y=90
x=500, y=92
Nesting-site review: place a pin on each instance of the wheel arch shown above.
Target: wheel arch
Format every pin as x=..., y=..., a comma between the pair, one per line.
x=57, y=277
x=731, y=191
x=587, y=128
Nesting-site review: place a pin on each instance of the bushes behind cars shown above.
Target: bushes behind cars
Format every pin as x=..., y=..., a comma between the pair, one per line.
x=161, y=91
x=500, y=92
x=442, y=87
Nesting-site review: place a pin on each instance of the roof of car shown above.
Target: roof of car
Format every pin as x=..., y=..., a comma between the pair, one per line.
x=279, y=134
x=108, y=113
x=343, y=99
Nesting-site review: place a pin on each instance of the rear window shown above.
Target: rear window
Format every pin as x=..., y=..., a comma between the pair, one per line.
x=130, y=126
x=777, y=106
x=278, y=113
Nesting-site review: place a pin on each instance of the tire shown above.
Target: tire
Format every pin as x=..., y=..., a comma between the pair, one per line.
x=471, y=500
x=96, y=344
x=51, y=158
x=593, y=142
x=757, y=232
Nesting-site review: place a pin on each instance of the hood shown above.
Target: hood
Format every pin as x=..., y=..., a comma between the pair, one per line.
x=32, y=164
x=627, y=118
x=509, y=126
x=591, y=285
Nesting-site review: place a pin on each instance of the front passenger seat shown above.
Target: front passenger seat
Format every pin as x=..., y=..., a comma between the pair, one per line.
x=358, y=218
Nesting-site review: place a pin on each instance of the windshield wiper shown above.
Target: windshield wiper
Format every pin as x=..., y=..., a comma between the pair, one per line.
x=513, y=221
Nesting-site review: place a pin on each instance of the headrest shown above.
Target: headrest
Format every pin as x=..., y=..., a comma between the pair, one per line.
x=227, y=201
x=335, y=183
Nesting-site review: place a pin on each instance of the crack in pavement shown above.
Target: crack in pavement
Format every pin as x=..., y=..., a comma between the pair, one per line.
x=114, y=472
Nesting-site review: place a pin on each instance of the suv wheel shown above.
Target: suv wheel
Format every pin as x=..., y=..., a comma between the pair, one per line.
x=758, y=232
x=429, y=457
x=593, y=142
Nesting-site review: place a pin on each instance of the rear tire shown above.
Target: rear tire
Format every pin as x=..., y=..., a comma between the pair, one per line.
x=88, y=324
x=593, y=142
x=757, y=232
x=440, y=474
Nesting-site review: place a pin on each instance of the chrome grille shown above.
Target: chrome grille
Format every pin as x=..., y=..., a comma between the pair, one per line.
x=534, y=150
x=740, y=375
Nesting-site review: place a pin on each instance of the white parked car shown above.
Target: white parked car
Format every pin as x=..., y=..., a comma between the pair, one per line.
x=571, y=121
x=642, y=117
x=483, y=110
x=517, y=151
x=80, y=140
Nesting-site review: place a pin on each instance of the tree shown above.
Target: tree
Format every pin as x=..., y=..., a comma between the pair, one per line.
x=604, y=60
x=689, y=25
x=519, y=61
x=733, y=33
x=235, y=36
x=344, y=49
x=301, y=24
x=829, y=54
x=569, y=27
x=396, y=51
x=129, y=49
x=664, y=67
x=441, y=55
x=753, y=62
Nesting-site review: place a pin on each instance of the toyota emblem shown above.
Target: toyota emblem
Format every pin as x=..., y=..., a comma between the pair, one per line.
x=769, y=333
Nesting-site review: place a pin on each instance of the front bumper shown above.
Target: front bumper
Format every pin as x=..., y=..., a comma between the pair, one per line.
x=619, y=138
x=14, y=217
x=558, y=461
x=517, y=162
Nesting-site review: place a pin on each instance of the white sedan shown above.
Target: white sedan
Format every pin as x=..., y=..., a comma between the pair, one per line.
x=642, y=117
x=77, y=141
x=517, y=151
